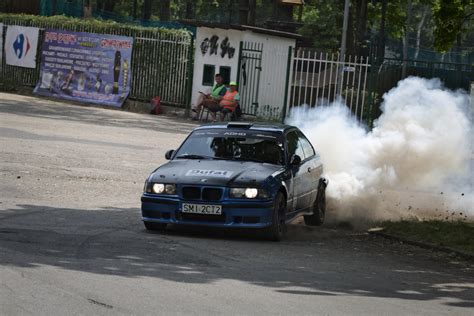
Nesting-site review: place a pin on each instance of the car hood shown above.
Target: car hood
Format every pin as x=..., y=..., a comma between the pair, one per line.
x=214, y=172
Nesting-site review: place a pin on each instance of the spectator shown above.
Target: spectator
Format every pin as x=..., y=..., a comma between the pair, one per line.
x=230, y=100
x=211, y=101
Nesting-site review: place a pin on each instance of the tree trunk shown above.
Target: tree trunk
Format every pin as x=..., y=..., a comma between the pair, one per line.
x=106, y=5
x=244, y=7
x=418, y=32
x=381, y=46
x=361, y=26
x=405, y=39
x=134, y=9
x=351, y=46
x=282, y=12
x=146, y=10
x=53, y=7
x=165, y=12
x=189, y=9
x=252, y=12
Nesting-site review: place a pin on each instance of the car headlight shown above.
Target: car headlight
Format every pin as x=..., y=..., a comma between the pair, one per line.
x=251, y=193
x=248, y=193
x=160, y=188
x=170, y=188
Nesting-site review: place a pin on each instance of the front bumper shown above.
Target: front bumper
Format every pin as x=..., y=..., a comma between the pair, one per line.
x=235, y=213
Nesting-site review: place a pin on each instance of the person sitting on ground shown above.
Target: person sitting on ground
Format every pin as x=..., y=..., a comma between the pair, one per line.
x=211, y=101
x=230, y=100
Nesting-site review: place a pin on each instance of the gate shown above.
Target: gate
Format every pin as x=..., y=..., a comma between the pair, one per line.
x=315, y=77
x=248, y=74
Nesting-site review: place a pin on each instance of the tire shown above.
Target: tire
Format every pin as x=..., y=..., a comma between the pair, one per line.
x=277, y=230
x=319, y=209
x=155, y=226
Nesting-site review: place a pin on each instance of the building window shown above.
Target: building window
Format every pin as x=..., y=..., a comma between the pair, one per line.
x=208, y=75
x=225, y=73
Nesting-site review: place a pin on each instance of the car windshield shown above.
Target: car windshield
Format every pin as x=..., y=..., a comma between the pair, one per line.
x=241, y=146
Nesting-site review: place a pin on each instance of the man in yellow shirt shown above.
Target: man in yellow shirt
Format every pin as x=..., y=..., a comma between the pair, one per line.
x=211, y=101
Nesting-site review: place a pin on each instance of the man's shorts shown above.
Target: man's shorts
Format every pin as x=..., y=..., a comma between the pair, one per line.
x=212, y=105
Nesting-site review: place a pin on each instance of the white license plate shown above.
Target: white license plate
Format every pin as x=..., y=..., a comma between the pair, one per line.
x=202, y=209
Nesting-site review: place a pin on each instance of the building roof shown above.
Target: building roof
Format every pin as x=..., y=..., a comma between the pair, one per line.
x=242, y=28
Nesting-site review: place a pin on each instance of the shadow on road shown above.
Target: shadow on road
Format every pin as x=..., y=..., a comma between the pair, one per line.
x=311, y=262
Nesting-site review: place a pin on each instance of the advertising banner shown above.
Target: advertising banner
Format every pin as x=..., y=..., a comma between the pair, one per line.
x=21, y=44
x=85, y=67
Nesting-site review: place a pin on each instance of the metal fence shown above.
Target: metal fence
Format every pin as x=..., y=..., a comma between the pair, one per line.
x=161, y=61
x=387, y=74
x=161, y=66
x=315, y=78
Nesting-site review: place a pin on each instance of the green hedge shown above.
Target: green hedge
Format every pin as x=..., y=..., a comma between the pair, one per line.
x=91, y=25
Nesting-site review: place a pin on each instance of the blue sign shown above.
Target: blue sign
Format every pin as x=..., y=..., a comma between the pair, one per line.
x=85, y=67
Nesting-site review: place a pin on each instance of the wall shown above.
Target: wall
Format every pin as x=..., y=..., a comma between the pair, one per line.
x=200, y=59
x=271, y=97
x=274, y=65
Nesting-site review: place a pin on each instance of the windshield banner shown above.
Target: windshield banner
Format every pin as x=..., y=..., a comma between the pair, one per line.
x=85, y=67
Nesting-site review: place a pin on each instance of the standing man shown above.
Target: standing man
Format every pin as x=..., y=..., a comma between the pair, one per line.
x=211, y=101
x=230, y=100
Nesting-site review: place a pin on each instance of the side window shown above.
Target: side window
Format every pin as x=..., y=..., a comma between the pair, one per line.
x=225, y=73
x=294, y=146
x=208, y=75
x=307, y=148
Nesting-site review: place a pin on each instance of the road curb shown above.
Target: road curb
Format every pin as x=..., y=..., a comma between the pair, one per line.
x=425, y=245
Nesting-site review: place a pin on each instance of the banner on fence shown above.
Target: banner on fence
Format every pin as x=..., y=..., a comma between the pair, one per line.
x=21, y=44
x=85, y=67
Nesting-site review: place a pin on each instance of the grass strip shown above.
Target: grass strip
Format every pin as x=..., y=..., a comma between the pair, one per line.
x=457, y=235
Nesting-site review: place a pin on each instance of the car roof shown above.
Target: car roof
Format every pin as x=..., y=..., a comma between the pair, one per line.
x=250, y=126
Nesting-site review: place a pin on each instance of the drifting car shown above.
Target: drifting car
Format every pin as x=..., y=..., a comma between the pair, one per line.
x=236, y=174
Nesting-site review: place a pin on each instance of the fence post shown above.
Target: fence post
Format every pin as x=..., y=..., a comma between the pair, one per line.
x=239, y=64
x=189, y=83
x=371, y=99
x=287, y=82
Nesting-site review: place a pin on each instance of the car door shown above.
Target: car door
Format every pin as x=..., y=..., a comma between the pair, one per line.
x=294, y=147
x=314, y=168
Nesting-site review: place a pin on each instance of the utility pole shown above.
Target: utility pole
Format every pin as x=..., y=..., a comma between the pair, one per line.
x=343, y=47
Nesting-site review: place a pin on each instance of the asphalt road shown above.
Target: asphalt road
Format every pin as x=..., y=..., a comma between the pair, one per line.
x=71, y=239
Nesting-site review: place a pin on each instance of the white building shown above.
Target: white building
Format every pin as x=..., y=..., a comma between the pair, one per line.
x=256, y=58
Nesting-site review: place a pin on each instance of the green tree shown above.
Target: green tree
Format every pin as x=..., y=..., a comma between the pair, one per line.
x=451, y=18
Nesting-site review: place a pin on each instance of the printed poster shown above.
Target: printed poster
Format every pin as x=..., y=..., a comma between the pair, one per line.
x=21, y=44
x=87, y=67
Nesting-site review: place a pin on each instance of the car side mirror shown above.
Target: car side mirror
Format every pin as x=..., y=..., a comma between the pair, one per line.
x=169, y=154
x=295, y=160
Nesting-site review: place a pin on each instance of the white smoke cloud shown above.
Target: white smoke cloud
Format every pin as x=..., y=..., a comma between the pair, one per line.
x=416, y=161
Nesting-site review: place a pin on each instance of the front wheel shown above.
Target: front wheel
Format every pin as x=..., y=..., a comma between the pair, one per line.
x=154, y=226
x=319, y=210
x=277, y=230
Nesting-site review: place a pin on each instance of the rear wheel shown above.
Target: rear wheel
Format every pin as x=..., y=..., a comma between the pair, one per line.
x=319, y=209
x=276, y=231
x=154, y=226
